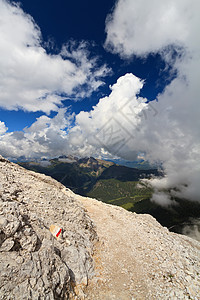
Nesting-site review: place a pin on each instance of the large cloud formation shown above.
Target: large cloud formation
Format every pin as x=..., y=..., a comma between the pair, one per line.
x=46, y=137
x=143, y=27
x=112, y=125
x=31, y=79
x=167, y=130
x=97, y=132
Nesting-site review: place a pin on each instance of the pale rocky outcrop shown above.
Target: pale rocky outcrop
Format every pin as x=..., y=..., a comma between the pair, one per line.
x=104, y=252
x=33, y=264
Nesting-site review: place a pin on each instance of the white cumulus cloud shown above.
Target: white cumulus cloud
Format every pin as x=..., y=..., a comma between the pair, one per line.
x=143, y=27
x=33, y=80
x=111, y=124
x=167, y=130
x=3, y=128
x=140, y=27
x=45, y=137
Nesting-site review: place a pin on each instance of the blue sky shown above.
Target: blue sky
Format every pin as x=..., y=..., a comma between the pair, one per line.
x=109, y=79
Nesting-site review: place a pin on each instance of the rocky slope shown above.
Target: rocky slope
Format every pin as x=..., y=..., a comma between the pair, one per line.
x=33, y=264
x=103, y=252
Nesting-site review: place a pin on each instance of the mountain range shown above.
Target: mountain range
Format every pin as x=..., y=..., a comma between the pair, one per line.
x=118, y=185
x=90, y=176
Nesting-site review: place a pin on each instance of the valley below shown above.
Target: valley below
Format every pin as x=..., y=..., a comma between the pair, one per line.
x=120, y=185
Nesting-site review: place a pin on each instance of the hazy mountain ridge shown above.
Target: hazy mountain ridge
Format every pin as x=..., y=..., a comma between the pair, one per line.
x=110, y=251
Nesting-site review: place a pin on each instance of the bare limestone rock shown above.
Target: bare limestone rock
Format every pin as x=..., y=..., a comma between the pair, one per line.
x=38, y=275
x=7, y=245
x=33, y=264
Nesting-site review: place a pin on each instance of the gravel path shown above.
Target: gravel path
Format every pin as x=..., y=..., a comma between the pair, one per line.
x=137, y=258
